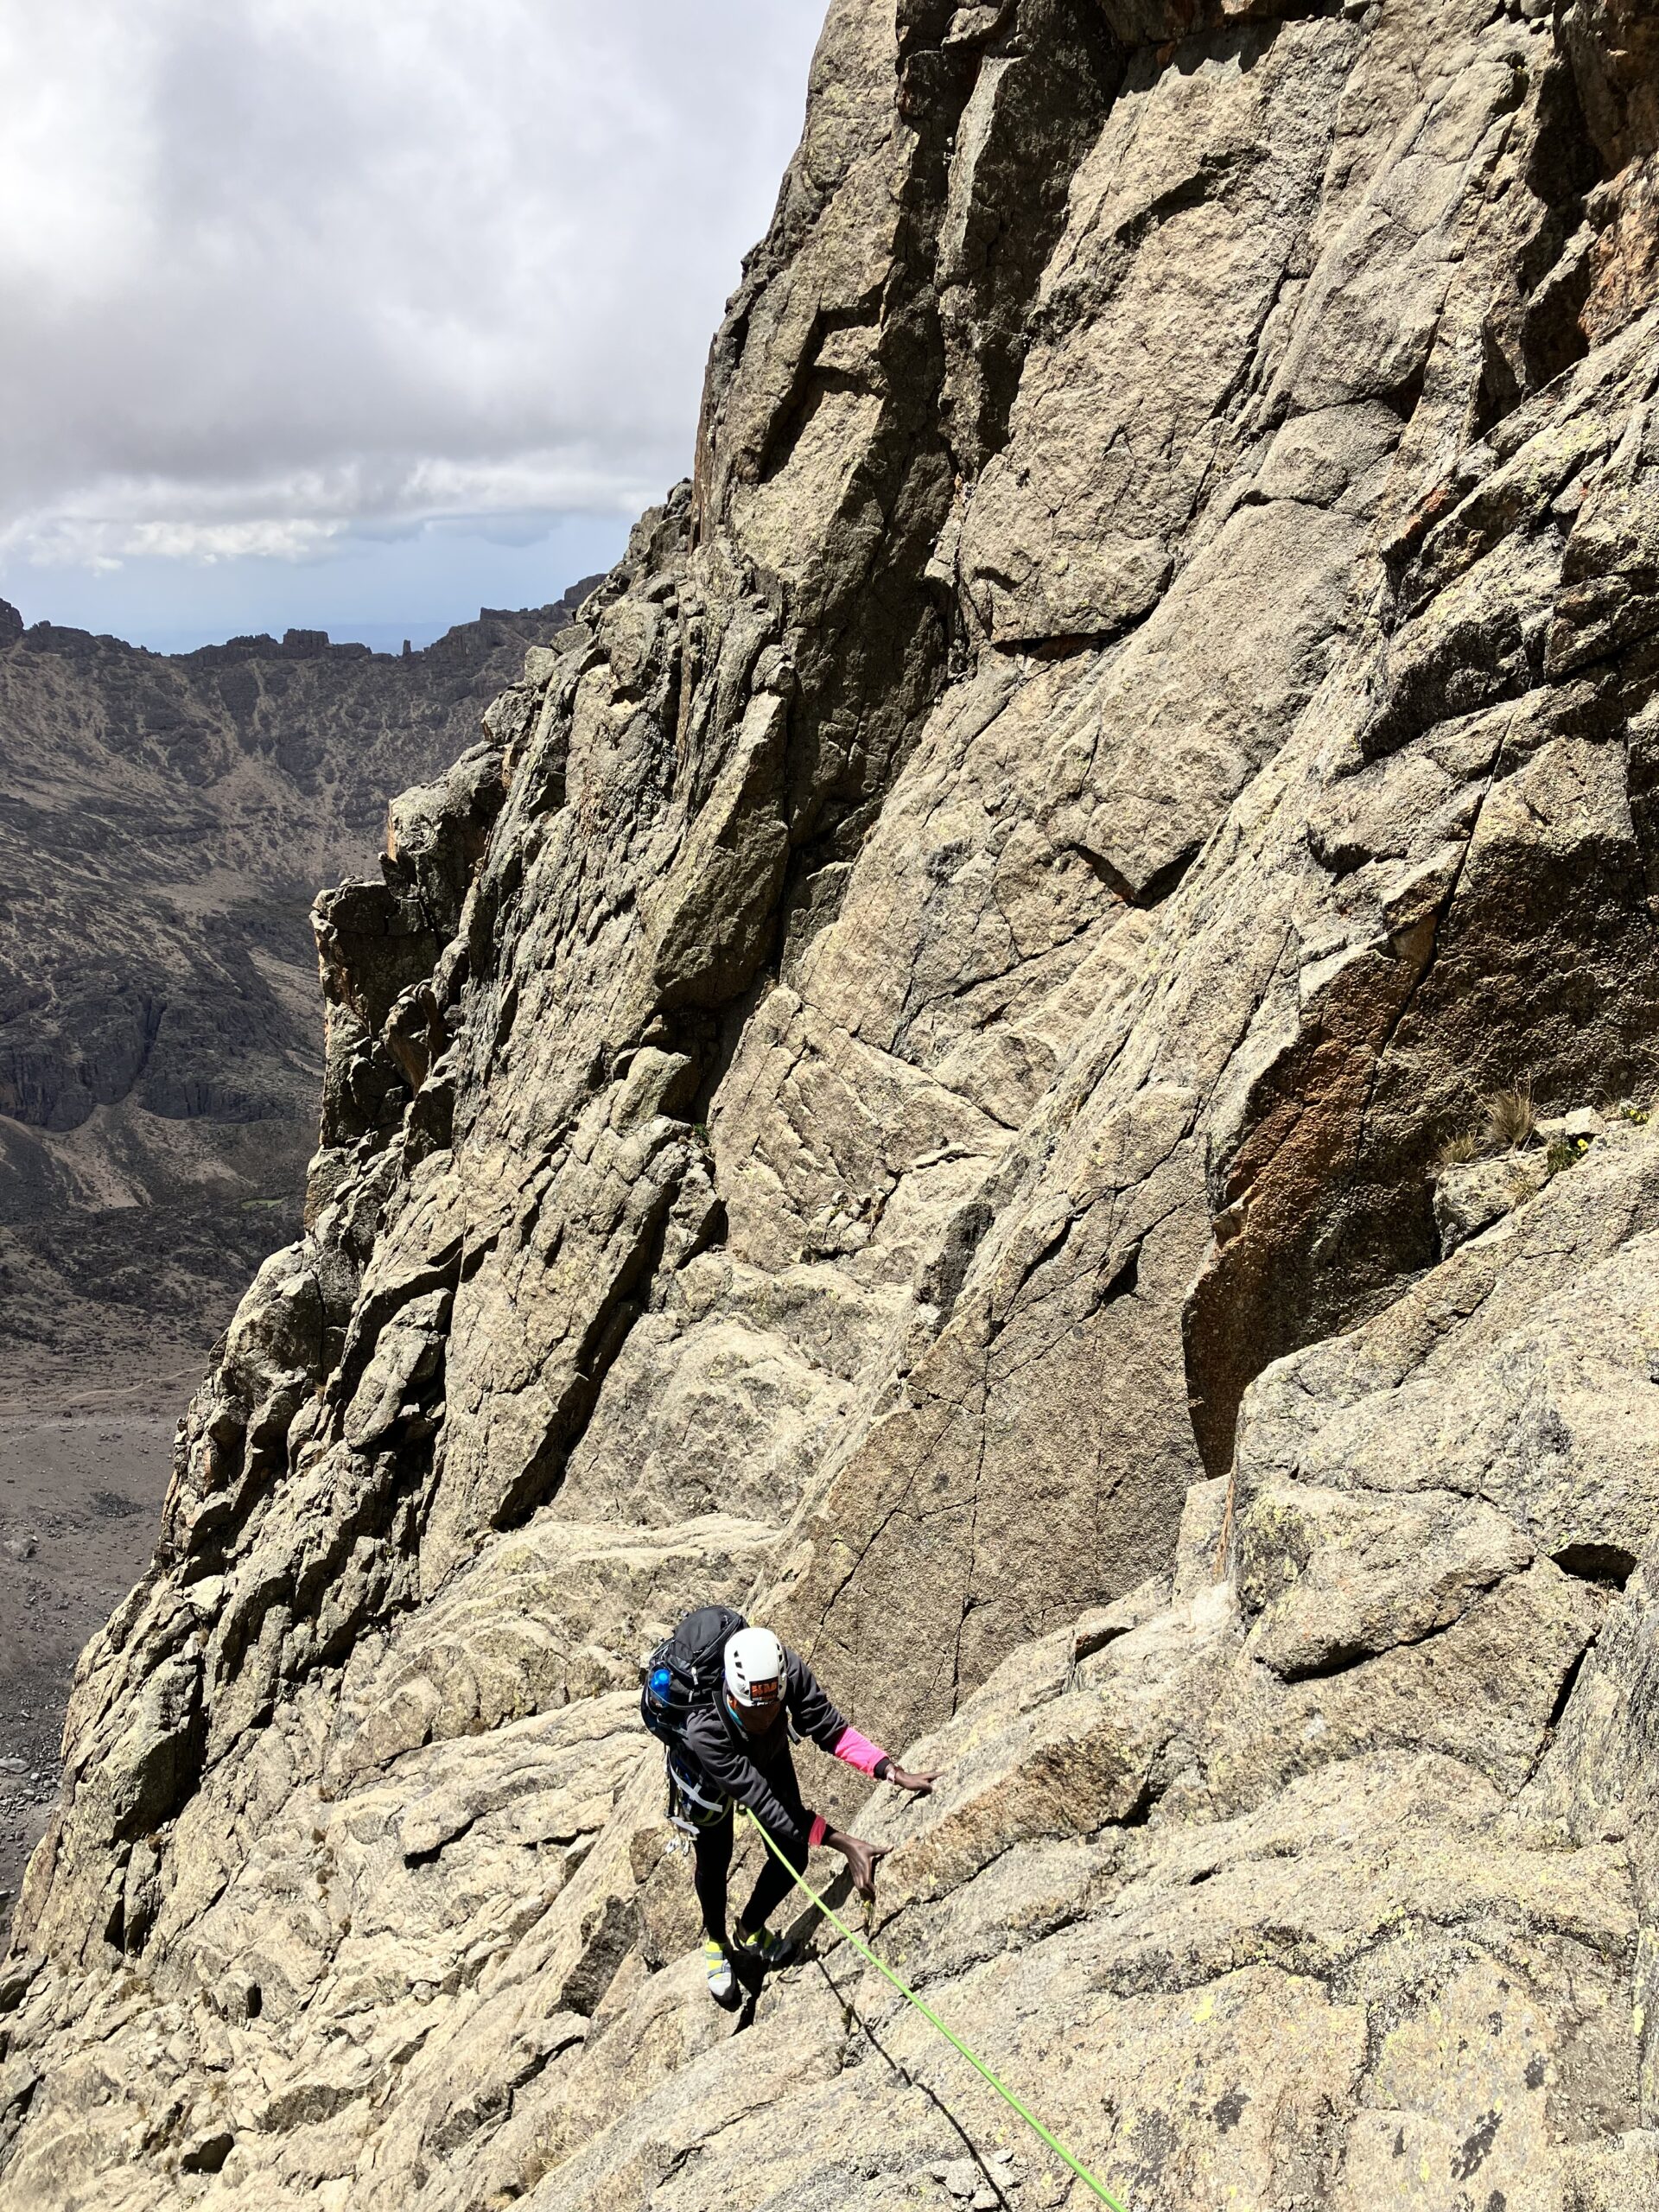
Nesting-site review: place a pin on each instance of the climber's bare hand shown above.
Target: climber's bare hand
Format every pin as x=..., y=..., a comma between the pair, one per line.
x=862, y=1858
x=919, y=1784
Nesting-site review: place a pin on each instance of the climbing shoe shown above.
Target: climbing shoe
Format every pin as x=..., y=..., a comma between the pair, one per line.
x=723, y=1982
x=770, y=1951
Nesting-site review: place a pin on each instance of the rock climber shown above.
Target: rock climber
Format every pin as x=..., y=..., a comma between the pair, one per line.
x=737, y=1744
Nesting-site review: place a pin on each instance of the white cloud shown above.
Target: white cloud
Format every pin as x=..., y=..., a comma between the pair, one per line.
x=273, y=273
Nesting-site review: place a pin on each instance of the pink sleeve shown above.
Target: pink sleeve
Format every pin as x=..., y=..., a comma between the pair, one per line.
x=858, y=1751
x=817, y=1833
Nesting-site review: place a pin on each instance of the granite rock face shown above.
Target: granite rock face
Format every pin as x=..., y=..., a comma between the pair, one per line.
x=906, y=1085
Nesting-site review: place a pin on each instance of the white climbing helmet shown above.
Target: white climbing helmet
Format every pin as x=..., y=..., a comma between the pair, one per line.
x=754, y=1667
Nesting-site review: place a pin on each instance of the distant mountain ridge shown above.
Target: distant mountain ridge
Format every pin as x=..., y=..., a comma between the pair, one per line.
x=165, y=820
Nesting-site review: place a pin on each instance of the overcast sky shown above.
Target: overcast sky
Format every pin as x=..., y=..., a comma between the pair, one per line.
x=360, y=313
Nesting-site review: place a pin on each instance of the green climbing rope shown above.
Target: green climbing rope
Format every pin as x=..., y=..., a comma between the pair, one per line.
x=933, y=2018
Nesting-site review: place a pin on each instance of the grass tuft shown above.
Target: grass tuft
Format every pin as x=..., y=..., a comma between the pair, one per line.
x=1511, y=1118
x=1457, y=1151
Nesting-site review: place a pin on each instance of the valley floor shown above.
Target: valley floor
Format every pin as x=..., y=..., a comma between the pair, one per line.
x=82, y=1475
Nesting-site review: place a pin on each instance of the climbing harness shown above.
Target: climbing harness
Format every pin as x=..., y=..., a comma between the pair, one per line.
x=933, y=2018
x=691, y=1806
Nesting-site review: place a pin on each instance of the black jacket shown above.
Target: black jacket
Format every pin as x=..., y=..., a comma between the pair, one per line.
x=758, y=1771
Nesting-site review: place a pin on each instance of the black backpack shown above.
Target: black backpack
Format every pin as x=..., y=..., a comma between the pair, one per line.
x=683, y=1674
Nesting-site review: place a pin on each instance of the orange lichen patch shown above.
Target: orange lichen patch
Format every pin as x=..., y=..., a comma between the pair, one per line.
x=1247, y=1306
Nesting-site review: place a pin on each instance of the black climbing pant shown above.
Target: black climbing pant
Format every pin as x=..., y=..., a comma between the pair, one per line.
x=713, y=1849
